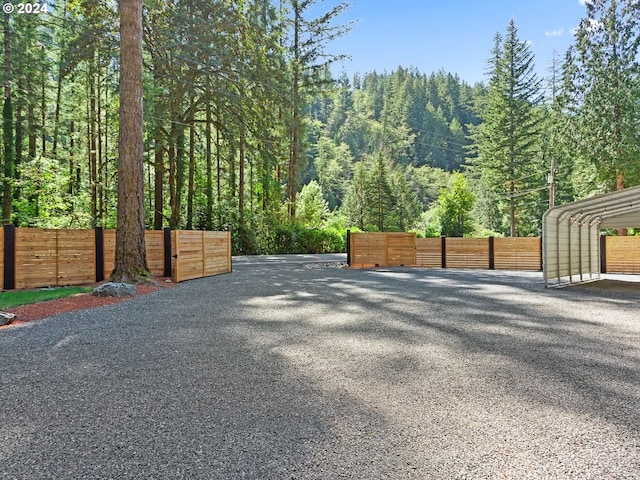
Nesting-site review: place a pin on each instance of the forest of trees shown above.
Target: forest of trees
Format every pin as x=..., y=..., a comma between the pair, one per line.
x=245, y=126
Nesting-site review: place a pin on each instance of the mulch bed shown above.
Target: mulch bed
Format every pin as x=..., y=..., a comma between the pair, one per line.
x=82, y=301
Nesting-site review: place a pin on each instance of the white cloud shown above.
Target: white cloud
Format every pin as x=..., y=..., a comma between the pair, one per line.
x=555, y=33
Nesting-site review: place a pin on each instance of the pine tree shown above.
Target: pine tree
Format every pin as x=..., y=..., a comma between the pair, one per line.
x=506, y=141
x=355, y=204
x=309, y=38
x=602, y=90
x=380, y=197
x=131, y=260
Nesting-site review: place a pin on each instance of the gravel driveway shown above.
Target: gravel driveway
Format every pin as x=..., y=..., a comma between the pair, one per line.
x=277, y=371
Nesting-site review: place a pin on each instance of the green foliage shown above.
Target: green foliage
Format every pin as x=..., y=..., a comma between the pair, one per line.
x=380, y=200
x=455, y=205
x=507, y=141
x=601, y=92
x=311, y=208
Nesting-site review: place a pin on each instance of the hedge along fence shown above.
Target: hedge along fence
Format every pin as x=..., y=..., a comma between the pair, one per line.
x=404, y=249
x=51, y=257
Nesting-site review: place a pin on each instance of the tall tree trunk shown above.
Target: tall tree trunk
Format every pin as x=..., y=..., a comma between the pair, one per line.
x=192, y=168
x=208, y=218
x=131, y=261
x=93, y=167
x=218, y=172
x=19, y=148
x=99, y=185
x=241, y=161
x=176, y=172
x=43, y=105
x=105, y=172
x=71, y=188
x=7, y=126
x=56, y=115
x=158, y=181
x=172, y=175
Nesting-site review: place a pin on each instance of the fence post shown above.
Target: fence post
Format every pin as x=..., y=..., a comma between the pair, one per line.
x=9, y=257
x=230, y=249
x=99, y=243
x=603, y=254
x=167, y=252
x=349, y=247
x=443, y=250
x=492, y=254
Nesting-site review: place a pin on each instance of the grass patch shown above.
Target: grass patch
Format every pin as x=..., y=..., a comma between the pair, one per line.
x=15, y=298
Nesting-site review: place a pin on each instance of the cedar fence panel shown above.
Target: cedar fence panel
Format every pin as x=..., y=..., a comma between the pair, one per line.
x=217, y=253
x=467, y=253
x=109, y=252
x=429, y=252
x=382, y=249
x=368, y=250
x=623, y=255
x=51, y=257
x=35, y=258
x=76, y=251
x=154, y=242
x=522, y=253
x=201, y=254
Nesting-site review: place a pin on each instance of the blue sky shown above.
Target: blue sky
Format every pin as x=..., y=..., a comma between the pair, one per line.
x=453, y=35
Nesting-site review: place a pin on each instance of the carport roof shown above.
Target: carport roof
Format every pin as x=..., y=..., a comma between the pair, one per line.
x=619, y=209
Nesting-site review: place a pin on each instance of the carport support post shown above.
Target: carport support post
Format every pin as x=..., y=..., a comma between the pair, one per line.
x=603, y=254
x=349, y=247
x=443, y=251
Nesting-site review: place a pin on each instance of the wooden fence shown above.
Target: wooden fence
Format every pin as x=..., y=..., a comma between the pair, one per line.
x=366, y=250
x=51, y=257
x=404, y=249
x=622, y=255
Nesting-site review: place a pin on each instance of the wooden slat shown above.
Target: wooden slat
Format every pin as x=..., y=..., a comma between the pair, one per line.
x=467, y=253
x=623, y=255
x=109, y=252
x=154, y=242
x=382, y=249
x=201, y=254
x=76, y=257
x=429, y=252
x=36, y=258
x=517, y=253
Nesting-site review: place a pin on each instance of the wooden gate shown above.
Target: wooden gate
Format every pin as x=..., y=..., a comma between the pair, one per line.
x=201, y=254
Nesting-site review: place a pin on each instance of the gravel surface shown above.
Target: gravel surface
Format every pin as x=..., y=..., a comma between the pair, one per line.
x=280, y=371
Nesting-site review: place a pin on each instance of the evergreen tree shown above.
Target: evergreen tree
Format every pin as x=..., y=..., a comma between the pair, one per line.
x=380, y=199
x=130, y=260
x=407, y=206
x=355, y=204
x=602, y=90
x=308, y=59
x=506, y=142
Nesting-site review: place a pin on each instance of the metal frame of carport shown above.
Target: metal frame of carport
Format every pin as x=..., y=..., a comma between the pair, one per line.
x=571, y=234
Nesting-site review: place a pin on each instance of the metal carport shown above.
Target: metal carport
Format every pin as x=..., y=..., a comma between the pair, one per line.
x=571, y=234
